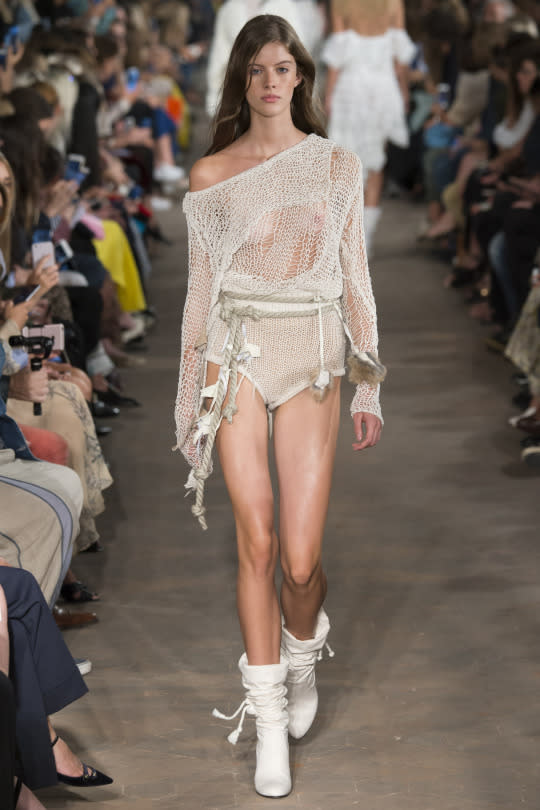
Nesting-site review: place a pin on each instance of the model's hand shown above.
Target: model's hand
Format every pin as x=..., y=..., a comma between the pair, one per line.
x=367, y=428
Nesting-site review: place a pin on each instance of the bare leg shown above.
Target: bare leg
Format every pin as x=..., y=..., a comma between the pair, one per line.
x=163, y=150
x=305, y=442
x=66, y=761
x=373, y=189
x=435, y=210
x=243, y=452
x=27, y=800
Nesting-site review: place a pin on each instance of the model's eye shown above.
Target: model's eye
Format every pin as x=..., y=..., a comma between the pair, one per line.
x=255, y=71
x=283, y=70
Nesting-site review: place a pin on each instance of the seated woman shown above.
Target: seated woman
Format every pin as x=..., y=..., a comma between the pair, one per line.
x=45, y=679
x=509, y=139
x=513, y=197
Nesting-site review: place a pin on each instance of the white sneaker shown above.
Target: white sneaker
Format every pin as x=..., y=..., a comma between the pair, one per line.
x=160, y=204
x=165, y=173
x=84, y=665
x=266, y=701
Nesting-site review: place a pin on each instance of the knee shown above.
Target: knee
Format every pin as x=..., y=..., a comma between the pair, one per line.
x=257, y=549
x=20, y=587
x=301, y=573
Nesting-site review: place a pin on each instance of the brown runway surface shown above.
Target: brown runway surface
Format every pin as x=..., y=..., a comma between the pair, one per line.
x=433, y=556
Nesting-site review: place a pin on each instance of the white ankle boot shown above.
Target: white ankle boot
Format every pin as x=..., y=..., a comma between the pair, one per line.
x=302, y=691
x=372, y=215
x=266, y=701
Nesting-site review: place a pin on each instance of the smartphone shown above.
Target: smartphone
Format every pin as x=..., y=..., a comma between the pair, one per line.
x=132, y=78
x=63, y=253
x=443, y=96
x=3, y=57
x=41, y=249
x=75, y=168
x=41, y=235
x=129, y=123
x=26, y=295
x=135, y=193
x=11, y=40
x=51, y=330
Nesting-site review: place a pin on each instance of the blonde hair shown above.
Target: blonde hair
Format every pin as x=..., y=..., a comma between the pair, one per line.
x=7, y=196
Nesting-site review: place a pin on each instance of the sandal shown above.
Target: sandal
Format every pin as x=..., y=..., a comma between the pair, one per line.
x=77, y=592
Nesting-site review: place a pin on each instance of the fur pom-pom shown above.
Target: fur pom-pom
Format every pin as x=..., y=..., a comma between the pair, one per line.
x=364, y=367
x=321, y=383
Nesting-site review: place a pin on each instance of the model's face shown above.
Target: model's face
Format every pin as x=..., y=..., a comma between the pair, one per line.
x=272, y=77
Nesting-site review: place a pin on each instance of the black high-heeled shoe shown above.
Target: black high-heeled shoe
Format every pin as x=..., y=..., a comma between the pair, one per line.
x=91, y=777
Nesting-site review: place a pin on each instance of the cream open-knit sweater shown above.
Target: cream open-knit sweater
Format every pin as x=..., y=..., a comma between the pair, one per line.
x=290, y=228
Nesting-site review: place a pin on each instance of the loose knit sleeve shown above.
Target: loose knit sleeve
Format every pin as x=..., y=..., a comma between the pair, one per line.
x=194, y=321
x=358, y=303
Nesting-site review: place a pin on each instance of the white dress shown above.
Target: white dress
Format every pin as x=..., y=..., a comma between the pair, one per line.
x=367, y=105
x=278, y=279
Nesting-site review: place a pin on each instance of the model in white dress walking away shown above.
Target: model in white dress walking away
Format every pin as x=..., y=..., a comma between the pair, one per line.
x=365, y=102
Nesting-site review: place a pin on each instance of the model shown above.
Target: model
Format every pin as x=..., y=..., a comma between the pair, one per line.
x=278, y=281
x=230, y=17
x=366, y=88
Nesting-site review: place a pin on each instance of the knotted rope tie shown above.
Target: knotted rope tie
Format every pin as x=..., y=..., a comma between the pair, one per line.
x=230, y=363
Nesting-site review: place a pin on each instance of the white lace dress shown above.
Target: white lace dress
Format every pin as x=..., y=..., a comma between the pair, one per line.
x=278, y=278
x=367, y=107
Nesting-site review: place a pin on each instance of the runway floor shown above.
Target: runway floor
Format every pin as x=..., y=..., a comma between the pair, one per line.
x=432, y=551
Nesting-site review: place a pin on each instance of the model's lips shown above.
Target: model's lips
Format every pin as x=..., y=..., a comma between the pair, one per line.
x=270, y=98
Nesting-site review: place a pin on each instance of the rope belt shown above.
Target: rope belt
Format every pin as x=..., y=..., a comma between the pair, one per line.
x=234, y=310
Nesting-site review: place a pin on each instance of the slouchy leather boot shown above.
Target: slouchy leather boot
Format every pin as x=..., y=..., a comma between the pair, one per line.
x=266, y=701
x=302, y=691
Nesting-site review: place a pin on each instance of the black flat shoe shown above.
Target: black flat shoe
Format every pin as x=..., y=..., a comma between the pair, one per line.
x=100, y=409
x=93, y=548
x=523, y=399
x=112, y=396
x=103, y=430
x=77, y=592
x=90, y=776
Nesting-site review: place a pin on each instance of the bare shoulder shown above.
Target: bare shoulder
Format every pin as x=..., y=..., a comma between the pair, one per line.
x=396, y=14
x=222, y=165
x=204, y=173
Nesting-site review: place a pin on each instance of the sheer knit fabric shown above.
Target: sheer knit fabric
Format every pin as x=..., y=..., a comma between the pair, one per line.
x=283, y=235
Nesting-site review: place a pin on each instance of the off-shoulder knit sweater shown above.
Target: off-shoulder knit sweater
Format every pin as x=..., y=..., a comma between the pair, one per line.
x=289, y=227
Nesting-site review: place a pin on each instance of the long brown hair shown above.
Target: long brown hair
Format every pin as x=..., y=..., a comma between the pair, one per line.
x=232, y=118
x=7, y=208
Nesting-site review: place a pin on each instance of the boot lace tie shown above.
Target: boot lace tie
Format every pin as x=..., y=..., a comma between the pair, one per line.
x=267, y=703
